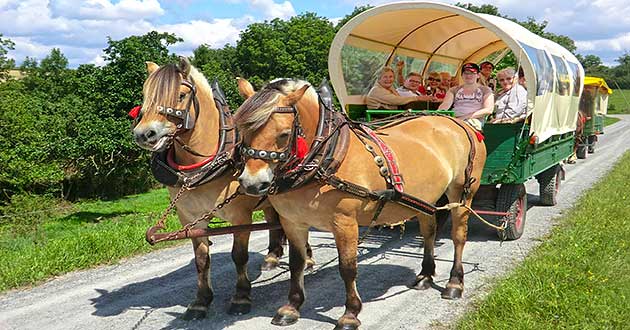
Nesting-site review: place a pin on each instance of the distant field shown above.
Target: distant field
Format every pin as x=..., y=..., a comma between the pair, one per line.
x=617, y=103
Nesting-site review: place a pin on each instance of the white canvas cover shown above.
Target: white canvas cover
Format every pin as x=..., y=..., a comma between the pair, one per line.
x=434, y=36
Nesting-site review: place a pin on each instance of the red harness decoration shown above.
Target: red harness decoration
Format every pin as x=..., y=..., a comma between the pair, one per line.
x=135, y=111
x=390, y=157
x=302, y=148
x=479, y=135
x=170, y=158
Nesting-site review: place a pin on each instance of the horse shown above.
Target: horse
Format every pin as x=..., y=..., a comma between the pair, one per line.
x=438, y=156
x=180, y=120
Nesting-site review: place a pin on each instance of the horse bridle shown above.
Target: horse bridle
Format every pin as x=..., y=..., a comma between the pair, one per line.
x=288, y=155
x=187, y=122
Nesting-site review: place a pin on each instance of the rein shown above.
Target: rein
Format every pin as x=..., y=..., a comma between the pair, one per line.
x=290, y=176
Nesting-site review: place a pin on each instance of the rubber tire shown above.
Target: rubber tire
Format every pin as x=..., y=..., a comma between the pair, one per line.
x=591, y=143
x=512, y=198
x=549, y=182
x=580, y=152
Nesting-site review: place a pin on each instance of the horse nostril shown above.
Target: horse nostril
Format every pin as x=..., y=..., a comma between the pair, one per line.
x=149, y=134
x=264, y=185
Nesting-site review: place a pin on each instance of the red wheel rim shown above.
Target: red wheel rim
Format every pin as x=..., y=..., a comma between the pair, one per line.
x=518, y=222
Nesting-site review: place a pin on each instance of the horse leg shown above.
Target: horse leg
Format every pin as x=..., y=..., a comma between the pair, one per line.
x=310, y=262
x=276, y=238
x=198, y=309
x=346, y=232
x=424, y=280
x=241, y=302
x=289, y=313
x=455, y=286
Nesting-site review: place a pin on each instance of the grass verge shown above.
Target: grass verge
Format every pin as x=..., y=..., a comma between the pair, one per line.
x=86, y=234
x=619, y=101
x=579, y=278
x=610, y=120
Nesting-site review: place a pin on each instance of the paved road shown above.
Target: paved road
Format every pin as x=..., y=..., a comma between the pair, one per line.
x=151, y=291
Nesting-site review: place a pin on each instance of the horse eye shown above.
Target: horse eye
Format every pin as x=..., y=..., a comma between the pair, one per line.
x=283, y=138
x=182, y=96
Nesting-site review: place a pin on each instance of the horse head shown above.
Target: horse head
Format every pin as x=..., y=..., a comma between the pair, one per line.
x=173, y=96
x=276, y=124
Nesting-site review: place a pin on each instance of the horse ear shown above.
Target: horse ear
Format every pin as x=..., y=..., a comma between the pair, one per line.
x=294, y=97
x=245, y=88
x=184, y=66
x=151, y=67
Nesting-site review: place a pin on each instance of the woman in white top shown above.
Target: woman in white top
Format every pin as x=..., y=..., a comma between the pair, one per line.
x=471, y=101
x=384, y=96
x=511, y=100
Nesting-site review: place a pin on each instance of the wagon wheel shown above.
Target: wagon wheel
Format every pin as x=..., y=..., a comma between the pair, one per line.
x=591, y=143
x=549, y=182
x=512, y=198
x=580, y=152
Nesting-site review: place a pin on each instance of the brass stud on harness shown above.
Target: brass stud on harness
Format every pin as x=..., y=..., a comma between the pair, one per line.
x=369, y=148
x=379, y=160
x=262, y=153
x=251, y=152
x=273, y=155
x=383, y=170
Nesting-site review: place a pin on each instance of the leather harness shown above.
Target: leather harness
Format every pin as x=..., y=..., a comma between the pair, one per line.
x=329, y=149
x=222, y=161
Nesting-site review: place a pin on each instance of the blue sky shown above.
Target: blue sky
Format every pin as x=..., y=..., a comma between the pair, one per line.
x=80, y=28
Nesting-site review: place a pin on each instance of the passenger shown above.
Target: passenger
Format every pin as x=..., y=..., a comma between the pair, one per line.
x=446, y=81
x=411, y=86
x=432, y=87
x=486, y=78
x=521, y=77
x=384, y=96
x=511, y=100
x=471, y=101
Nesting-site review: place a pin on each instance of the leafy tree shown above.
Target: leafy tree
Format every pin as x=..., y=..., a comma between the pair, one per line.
x=294, y=48
x=5, y=63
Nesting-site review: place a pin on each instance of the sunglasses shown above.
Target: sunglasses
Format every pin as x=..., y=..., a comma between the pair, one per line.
x=434, y=79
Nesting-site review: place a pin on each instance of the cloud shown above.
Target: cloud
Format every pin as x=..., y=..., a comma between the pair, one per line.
x=106, y=10
x=271, y=10
x=216, y=33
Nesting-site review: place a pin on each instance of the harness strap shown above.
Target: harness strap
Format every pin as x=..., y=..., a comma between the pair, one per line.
x=390, y=158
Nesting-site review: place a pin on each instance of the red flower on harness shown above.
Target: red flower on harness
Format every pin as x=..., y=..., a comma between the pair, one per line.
x=479, y=135
x=302, y=147
x=135, y=111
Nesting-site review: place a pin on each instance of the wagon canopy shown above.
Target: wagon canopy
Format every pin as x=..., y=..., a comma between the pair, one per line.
x=598, y=90
x=438, y=37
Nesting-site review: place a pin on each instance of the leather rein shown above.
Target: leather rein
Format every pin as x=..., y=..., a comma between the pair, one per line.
x=328, y=151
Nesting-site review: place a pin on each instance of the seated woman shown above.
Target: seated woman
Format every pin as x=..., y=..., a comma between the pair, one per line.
x=432, y=87
x=384, y=96
x=471, y=101
x=511, y=100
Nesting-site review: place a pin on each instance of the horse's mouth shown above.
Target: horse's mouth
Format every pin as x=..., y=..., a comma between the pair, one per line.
x=158, y=146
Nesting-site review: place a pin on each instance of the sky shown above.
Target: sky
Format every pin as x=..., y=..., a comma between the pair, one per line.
x=80, y=28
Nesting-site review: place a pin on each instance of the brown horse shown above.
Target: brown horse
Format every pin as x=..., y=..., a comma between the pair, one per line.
x=432, y=152
x=194, y=123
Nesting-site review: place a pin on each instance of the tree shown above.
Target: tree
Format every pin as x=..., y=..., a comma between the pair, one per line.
x=6, y=63
x=357, y=10
x=294, y=48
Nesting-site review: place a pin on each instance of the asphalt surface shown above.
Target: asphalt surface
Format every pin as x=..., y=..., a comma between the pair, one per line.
x=152, y=291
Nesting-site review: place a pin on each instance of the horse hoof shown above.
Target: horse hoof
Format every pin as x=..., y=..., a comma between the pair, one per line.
x=346, y=327
x=423, y=283
x=269, y=265
x=452, y=293
x=195, y=313
x=283, y=320
x=239, y=309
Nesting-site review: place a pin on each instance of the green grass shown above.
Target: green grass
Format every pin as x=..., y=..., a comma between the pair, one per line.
x=610, y=120
x=88, y=234
x=579, y=278
x=617, y=103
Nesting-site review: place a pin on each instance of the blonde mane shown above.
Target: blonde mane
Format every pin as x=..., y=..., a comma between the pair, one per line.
x=256, y=110
x=162, y=86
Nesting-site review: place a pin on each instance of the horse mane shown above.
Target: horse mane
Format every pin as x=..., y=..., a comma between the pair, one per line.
x=256, y=110
x=162, y=86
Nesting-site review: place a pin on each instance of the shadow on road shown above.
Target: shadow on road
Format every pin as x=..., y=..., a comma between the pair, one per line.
x=324, y=287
